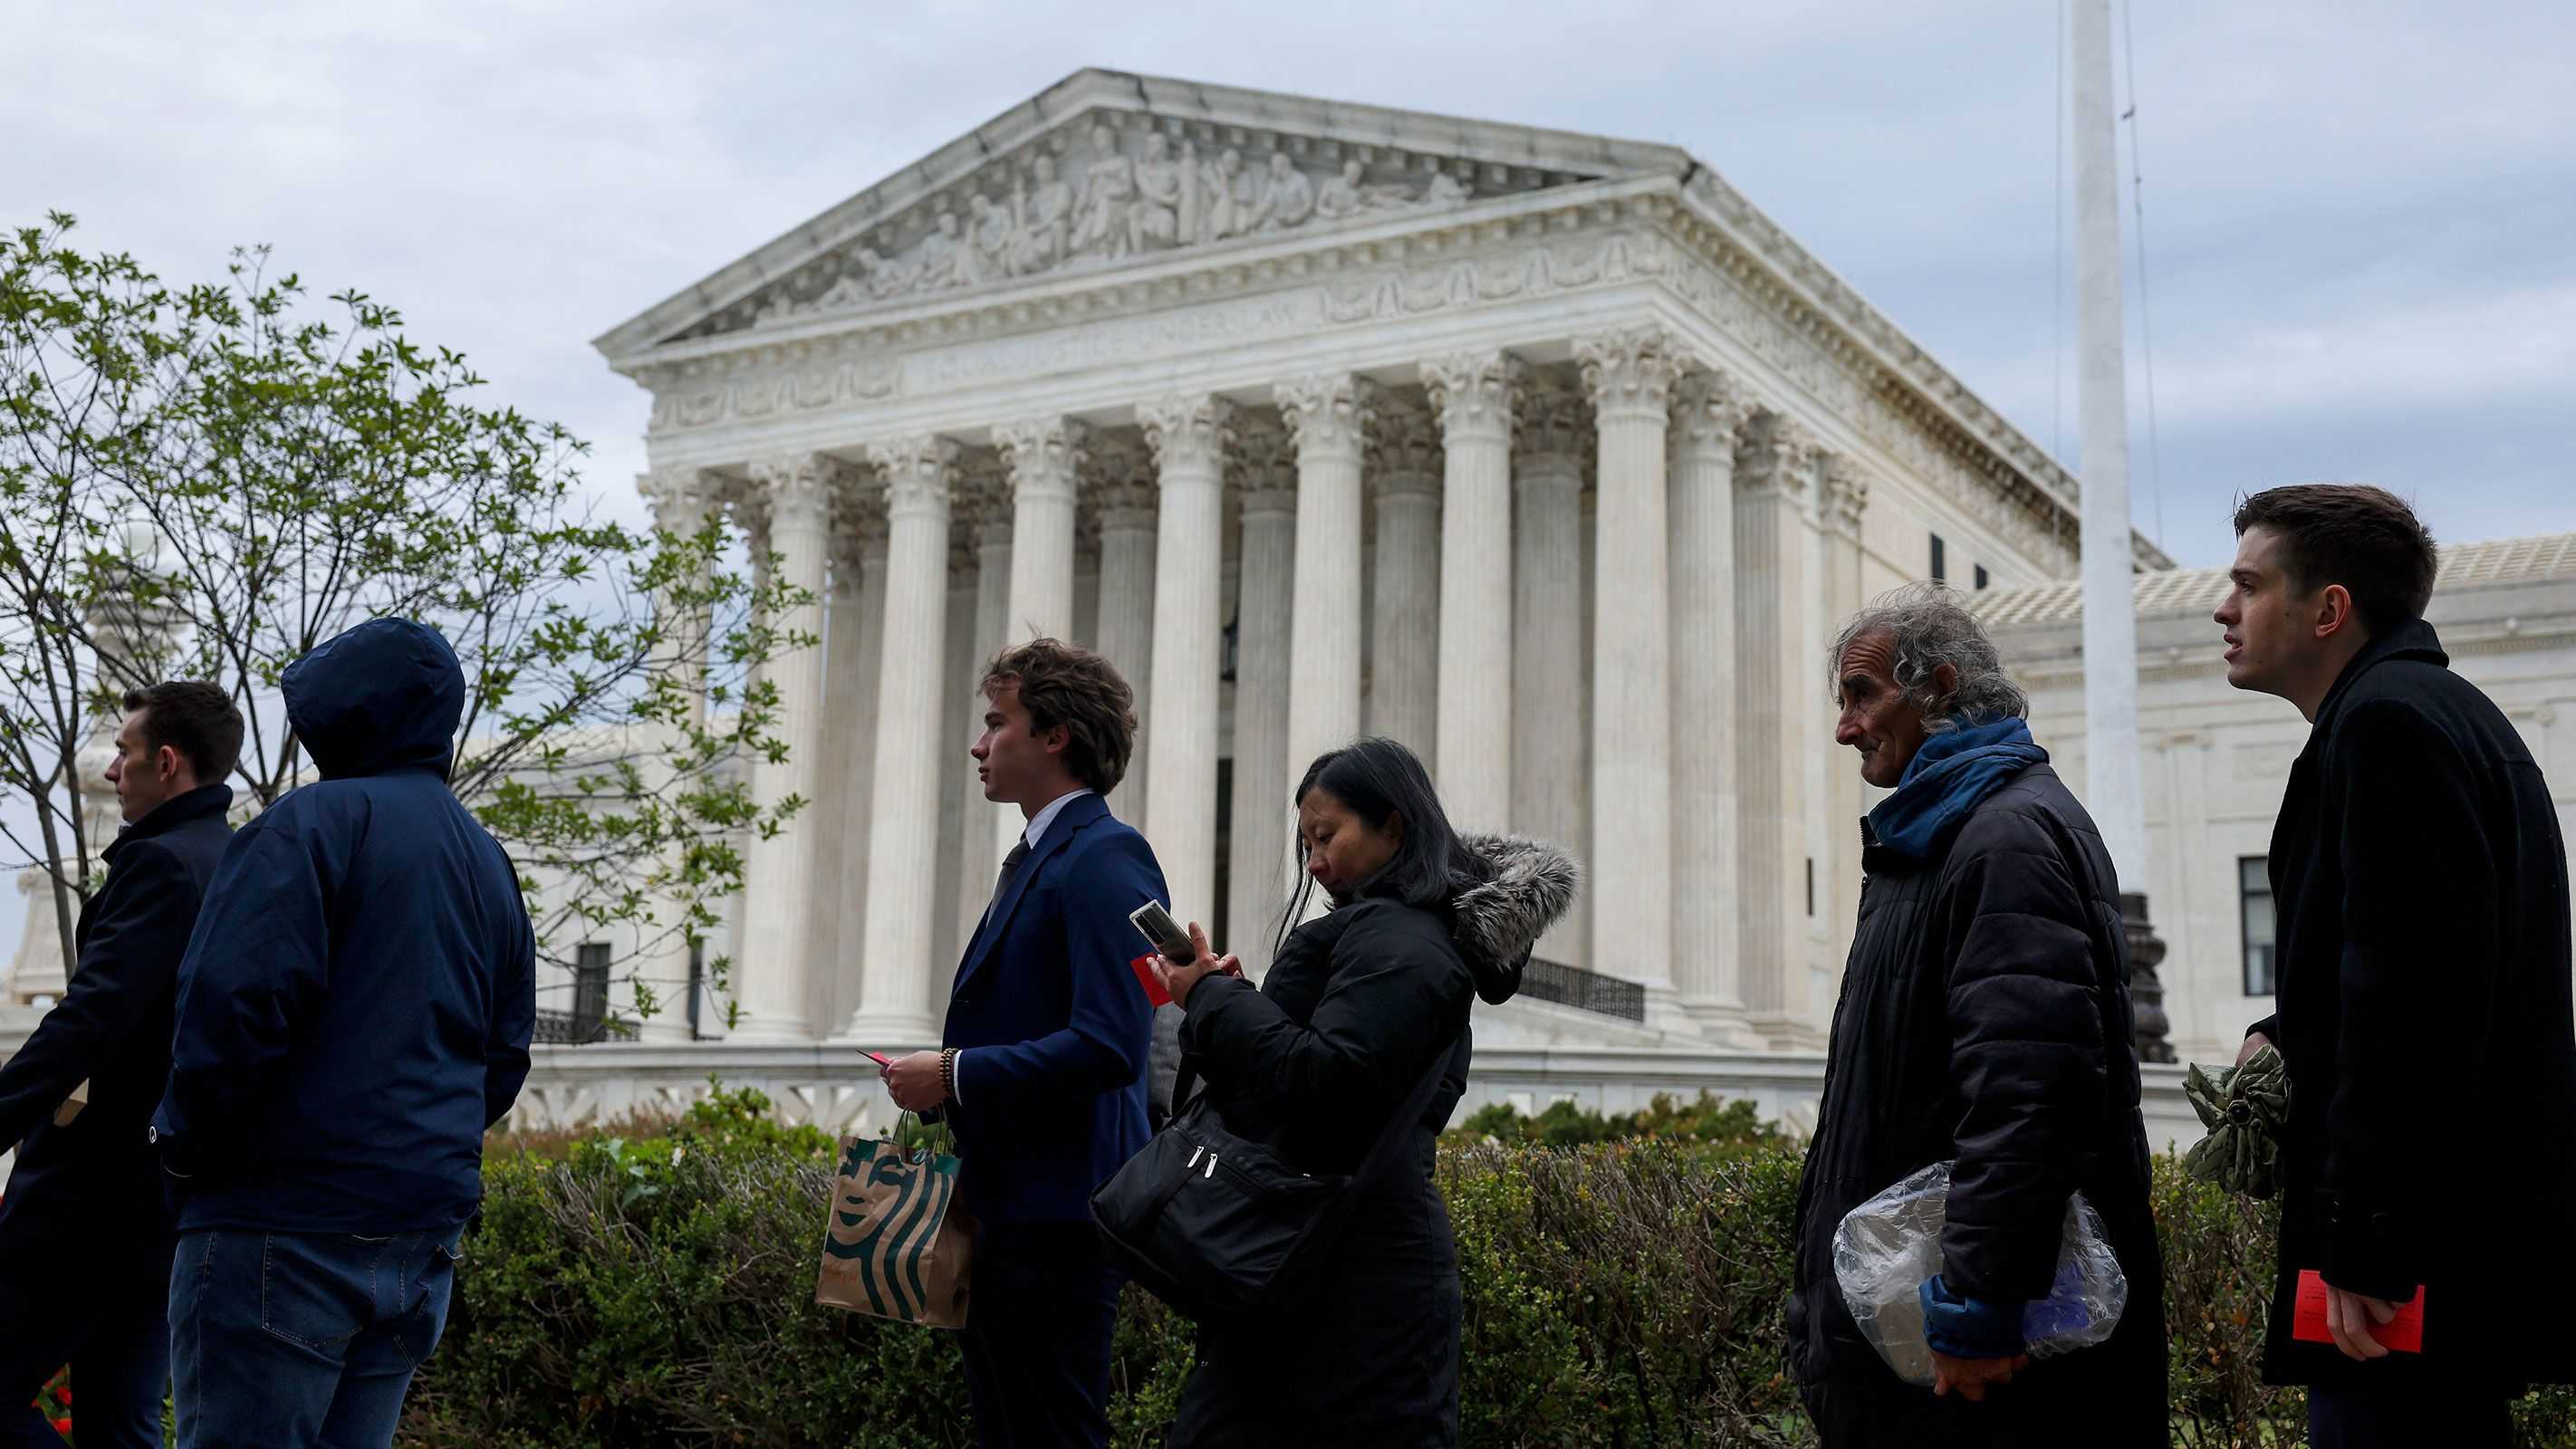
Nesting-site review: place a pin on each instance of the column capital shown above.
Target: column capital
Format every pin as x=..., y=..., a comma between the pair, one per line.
x=859, y=526
x=1709, y=408
x=1044, y=455
x=1404, y=454
x=1629, y=372
x=920, y=471
x=1327, y=415
x=1775, y=454
x=680, y=497
x=1475, y=393
x=1845, y=492
x=1188, y=431
x=1118, y=479
x=797, y=488
x=1555, y=420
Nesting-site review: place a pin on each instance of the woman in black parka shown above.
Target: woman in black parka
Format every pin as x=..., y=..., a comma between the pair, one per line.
x=1356, y=1006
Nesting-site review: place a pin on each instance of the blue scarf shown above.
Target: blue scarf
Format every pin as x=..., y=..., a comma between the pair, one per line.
x=1951, y=775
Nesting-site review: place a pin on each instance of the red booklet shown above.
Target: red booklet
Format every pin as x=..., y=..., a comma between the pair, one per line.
x=1143, y=966
x=2404, y=1333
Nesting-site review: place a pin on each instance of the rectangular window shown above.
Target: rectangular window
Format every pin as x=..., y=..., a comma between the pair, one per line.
x=1811, y=886
x=589, y=990
x=1940, y=559
x=2254, y=888
x=1982, y=580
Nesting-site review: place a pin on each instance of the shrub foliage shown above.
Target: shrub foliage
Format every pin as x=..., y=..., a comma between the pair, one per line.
x=653, y=1285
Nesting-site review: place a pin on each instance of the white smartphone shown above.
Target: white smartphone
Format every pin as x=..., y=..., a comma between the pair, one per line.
x=1162, y=932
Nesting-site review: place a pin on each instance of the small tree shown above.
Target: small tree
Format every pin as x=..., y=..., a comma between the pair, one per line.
x=208, y=482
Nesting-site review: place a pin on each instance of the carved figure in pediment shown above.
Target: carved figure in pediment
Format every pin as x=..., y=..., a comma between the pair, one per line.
x=1340, y=198
x=1222, y=201
x=1043, y=231
x=990, y=239
x=1289, y=198
x=1108, y=190
x=1161, y=187
x=943, y=260
x=1445, y=190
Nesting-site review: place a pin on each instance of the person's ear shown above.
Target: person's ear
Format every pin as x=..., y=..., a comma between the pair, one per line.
x=166, y=762
x=1058, y=739
x=1945, y=679
x=1395, y=829
x=2334, y=611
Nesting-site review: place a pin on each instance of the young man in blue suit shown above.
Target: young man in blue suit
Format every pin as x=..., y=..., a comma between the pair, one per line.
x=1043, y=1071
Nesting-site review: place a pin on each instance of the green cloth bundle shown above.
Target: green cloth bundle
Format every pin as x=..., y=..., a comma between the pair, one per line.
x=2245, y=1109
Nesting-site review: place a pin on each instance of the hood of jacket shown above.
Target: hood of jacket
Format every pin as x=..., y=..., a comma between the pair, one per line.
x=384, y=696
x=1529, y=886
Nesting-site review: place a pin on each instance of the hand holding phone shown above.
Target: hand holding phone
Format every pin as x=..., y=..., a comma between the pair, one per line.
x=875, y=1057
x=1165, y=934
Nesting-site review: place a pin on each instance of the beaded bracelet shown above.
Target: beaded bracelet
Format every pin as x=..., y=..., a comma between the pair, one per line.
x=948, y=1072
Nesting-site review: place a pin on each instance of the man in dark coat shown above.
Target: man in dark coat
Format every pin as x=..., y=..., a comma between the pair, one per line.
x=354, y=1012
x=2420, y=881
x=1043, y=1069
x=1984, y=1021
x=84, y=1230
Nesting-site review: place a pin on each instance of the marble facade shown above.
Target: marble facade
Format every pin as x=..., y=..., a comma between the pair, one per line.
x=1349, y=413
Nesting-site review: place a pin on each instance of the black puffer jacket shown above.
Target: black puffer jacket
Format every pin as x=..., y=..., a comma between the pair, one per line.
x=1985, y=1018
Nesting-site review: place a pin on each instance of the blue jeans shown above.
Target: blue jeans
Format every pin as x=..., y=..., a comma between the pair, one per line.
x=296, y=1341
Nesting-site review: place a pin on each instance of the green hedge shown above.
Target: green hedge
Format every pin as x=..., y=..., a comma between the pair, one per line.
x=655, y=1288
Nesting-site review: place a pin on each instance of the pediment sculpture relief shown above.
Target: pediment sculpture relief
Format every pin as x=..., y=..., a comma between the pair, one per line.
x=1115, y=197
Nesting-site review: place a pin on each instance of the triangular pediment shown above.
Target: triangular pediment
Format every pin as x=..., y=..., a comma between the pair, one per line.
x=1107, y=170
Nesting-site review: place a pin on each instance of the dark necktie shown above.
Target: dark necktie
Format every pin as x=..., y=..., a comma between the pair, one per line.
x=1010, y=868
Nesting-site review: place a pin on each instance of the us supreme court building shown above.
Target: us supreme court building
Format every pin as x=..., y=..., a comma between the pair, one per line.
x=1547, y=454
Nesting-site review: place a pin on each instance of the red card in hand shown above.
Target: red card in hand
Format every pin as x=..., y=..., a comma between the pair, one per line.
x=2404, y=1333
x=1143, y=966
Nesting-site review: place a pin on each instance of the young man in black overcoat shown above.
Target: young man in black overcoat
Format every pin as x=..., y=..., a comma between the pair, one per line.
x=2420, y=881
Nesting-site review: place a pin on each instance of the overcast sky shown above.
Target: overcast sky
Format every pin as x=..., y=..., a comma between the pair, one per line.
x=2358, y=216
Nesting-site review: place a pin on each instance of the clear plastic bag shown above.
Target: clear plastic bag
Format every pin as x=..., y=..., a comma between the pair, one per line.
x=1887, y=1248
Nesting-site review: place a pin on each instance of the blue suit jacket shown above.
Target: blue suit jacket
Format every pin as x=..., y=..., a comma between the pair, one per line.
x=1054, y=1025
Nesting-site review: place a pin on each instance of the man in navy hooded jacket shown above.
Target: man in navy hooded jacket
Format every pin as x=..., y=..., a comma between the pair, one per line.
x=354, y=1011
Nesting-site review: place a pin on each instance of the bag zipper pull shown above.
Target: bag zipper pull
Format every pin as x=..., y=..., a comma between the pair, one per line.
x=1194, y=1158
x=1211, y=1167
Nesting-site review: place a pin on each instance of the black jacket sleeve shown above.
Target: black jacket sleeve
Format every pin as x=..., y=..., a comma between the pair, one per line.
x=138, y=929
x=2026, y=1054
x=1396, y=997
x=2420, y=909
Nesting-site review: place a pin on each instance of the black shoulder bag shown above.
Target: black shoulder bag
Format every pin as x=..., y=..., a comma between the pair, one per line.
x=1219, y=1226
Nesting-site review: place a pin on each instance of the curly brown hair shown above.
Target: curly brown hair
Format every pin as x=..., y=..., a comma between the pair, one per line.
x=1065, y=684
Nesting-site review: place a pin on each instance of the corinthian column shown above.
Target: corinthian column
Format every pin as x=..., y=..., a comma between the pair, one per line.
x=1708, y=410
x=778, y=896
x=1774, y=549
x=1549, y=716
x=1189, y=435
x=1629, y=375
x=1327, y=418
x=865, y=550
x=904, y=782
x=1404, y=623
x=1271, y=563
x=682, y=501
x=1472, y=392
x=990, y=829
x=1045, y=459
x=1124, y=495
x=1841, y=505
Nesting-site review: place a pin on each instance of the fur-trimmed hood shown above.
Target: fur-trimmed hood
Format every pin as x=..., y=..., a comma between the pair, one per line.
x=1530, y=885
